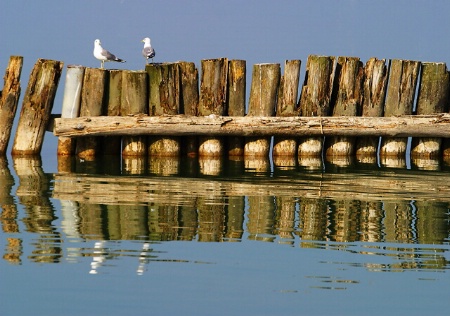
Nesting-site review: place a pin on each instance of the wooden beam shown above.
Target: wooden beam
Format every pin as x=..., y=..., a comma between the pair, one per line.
x=437, y=125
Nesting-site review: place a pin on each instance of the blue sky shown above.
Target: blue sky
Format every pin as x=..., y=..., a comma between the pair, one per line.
x=256, y=31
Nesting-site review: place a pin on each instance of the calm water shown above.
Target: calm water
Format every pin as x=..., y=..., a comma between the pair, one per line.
x=134, y=237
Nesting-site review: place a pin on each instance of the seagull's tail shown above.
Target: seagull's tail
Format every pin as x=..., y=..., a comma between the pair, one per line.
x=120, y=60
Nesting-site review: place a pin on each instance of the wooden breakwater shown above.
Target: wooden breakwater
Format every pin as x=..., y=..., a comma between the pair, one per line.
x=341, y=109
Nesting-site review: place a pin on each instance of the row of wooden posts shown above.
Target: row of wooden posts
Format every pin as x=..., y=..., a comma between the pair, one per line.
x=37, y=105
x=99, y=102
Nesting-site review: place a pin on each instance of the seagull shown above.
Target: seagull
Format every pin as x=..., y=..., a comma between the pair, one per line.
x=148, y=50
x=103, y=55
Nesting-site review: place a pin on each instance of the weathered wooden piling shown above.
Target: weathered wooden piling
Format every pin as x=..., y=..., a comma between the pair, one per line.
x=9, y=98
x=433, y=98
x=37, y=107
x=134, y=98
x=315, y=98
x=262, y=102
x=401, y=90
x=285, y=149
x=213, y=92
x=71, y=105
x=347, y=101
x=113, y=144
x=374, y=93
x=164, y=99
x=92, y=104
x=189, y=100
x=237, y=70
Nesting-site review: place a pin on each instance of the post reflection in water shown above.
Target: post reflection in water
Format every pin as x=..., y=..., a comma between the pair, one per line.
x=34, y=194
x=213, y=203
x=9, y=214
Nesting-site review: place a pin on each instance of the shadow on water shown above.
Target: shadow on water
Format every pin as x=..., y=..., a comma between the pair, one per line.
x=337, y=205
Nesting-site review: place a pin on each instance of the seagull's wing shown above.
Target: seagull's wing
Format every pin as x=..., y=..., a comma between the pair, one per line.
x=110, y=56
x=148, y=52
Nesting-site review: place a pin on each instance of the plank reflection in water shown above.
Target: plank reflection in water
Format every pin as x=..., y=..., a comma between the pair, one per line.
x=372, y=206
x=369, y=206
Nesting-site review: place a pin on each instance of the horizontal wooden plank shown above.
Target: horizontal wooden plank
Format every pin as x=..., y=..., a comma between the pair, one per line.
x=437, y=125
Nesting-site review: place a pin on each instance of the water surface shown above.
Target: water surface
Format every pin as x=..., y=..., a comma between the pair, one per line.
x=222, y=237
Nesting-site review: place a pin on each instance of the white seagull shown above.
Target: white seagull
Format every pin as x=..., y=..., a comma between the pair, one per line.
x=103, y=55
x=148, y=50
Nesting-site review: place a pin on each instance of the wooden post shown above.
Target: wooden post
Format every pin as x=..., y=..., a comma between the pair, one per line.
x=71, y=105
x=113, y=144
x=189, y=100
x=433, y=98
x=66, y=163
x=92, y=104
x=315, y=98
x=164, y=87
x=213, y=92
x=37, y=107
x=375, y=83
x=9, y=98
x=134, y=101
x=189, y=87
x=347, y=102
x=285, y=149
x=401, y=89
x=262, y=102
x=237, y=71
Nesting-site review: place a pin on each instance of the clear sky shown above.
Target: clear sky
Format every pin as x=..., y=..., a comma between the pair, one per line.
x=257, y=31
